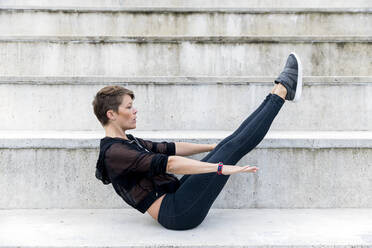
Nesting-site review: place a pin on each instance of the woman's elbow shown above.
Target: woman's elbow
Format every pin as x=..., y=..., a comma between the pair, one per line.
x=170, y=164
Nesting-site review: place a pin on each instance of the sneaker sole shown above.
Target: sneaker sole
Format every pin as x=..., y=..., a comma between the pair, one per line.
x=299, y=79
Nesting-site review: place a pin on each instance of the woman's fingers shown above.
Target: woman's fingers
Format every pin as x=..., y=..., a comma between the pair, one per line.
x=250, y=168
x=231, y=169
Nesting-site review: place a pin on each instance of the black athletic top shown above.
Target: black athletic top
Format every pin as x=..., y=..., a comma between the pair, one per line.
x=137, y=169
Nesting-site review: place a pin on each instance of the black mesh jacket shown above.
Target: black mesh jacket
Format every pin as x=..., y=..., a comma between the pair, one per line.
x=137, y=169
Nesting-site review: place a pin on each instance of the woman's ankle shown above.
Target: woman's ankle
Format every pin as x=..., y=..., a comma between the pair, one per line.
x=279, y=90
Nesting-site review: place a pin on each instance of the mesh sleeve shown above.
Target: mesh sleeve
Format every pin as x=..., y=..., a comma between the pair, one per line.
x=168, y=148
x=121, y=160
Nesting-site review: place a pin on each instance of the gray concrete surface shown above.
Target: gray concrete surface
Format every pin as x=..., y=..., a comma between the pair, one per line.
x=194, y=103
x=315, y=169
x=221, y=228
x=192, y=22
x=183, y=56
x=297, y=170
x=193, y=3
x=177, y=80
x=24, y=139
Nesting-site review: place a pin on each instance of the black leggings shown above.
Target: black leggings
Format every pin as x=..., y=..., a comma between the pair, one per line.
x=189, y=205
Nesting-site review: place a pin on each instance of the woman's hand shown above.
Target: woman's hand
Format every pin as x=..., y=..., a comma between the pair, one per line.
x=230, y=169
x=213, y=146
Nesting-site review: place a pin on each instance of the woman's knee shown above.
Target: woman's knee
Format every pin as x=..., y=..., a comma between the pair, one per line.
x=182, y=224
x=182, y=227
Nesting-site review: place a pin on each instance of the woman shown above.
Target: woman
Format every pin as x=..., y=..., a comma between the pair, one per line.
x=141, y=171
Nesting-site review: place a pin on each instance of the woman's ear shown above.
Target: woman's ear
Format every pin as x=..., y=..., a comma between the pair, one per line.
x=111, y=115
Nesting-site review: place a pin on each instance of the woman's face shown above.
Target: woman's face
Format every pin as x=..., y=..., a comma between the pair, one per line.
x=126, y=116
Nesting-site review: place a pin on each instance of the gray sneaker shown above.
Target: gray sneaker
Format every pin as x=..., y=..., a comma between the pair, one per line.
x=291, y=78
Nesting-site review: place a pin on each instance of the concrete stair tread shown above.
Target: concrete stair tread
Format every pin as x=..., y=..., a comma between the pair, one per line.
x=92, y=80
x=274, y=139
x=202, y=21
x=222, y=227
x=188, y=38
x=182, y=55
x=188, y=9
x=191, y=3
x=297, y=170
x=187, y=97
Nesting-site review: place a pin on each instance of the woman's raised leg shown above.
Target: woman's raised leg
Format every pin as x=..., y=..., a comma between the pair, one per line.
x=192, y=201
x=231, y=136
x=277, y=89
x=189, y=205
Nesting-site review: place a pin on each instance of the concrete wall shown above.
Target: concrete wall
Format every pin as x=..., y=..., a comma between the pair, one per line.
x=195, y=22
x=180, y=104
x=288, y=178
x=194, y=3
x=183, y=56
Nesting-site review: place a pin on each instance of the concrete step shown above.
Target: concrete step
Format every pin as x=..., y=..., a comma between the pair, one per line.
x=183, y=56
x=212, y=103
x=183, y=21
x=235, y=228
x=194, y=3
x=297, y=170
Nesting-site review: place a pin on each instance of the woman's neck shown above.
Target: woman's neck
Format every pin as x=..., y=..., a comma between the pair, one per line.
x=112, y=131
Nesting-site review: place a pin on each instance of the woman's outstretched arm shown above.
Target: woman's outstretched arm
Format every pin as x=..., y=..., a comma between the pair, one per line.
x=181, y=165
x=186, y=149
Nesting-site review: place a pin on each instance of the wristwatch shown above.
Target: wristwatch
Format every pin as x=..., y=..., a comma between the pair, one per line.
x=219, y=169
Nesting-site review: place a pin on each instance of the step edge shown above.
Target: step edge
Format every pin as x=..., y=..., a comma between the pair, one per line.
x=244, y=10
x=191, y=39
x=274, y=139
x=179, y=80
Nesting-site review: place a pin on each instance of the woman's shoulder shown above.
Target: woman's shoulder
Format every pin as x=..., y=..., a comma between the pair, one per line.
x=118, y=140
x=121, y=147
x=115, y=144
